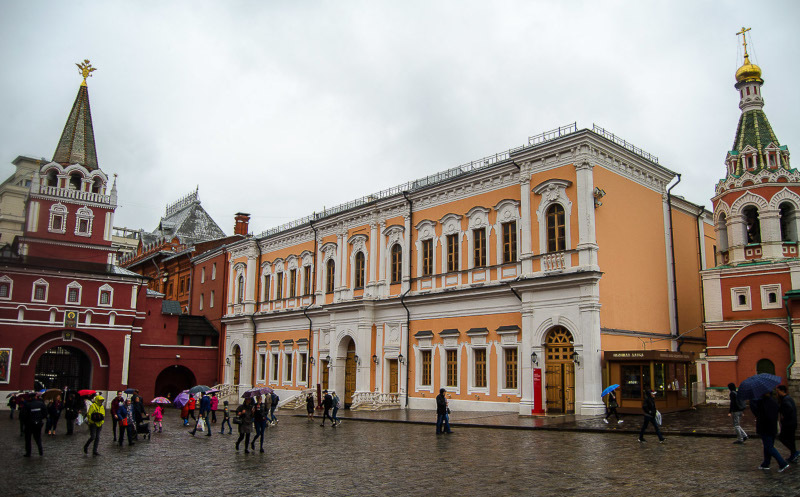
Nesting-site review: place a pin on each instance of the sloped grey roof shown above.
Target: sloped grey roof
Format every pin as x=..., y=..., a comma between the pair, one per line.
x=171, y=307
x=191, y=224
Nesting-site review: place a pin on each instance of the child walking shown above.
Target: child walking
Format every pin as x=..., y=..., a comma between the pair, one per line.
x=226, y=418
x=157, y=417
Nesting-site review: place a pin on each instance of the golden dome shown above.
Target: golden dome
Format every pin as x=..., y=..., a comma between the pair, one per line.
x=748, y=72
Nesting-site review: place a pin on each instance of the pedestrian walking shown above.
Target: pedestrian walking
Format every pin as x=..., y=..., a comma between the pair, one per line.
x=612, y=406
x=32, y=416
x=766, y=412
x=244, y=413
x=327, y=403
x=70, y=411
x=275, y=399
x=259, y=423
x=205, y=412
x=158, y=416
x=649, y=408
x=185, y=413
x=337, y=404
x=54, y=408
x=788, y=417
x=118, y=400
x=226, y=418
x=192, y=407
x=736, y=412
x=126, y=422
x=12, y=405
x=310, y=406
x=95, y=417
x=214, y=406
x=442, y=411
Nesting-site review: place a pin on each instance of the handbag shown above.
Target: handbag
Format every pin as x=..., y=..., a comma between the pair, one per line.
x=658, y=417
x=236, y=420
x=124, y=422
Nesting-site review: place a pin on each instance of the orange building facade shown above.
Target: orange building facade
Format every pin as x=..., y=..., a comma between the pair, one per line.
x=503, y=281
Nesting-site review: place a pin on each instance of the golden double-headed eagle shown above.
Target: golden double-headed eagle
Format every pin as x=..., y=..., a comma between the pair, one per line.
x=86, y=70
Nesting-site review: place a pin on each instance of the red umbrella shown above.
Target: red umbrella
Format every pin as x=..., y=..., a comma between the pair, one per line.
x=84, y=393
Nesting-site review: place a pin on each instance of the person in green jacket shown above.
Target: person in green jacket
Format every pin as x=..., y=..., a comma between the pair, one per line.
x=95, y=417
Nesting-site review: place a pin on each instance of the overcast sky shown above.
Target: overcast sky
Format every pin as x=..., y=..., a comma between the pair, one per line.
x=281, y=108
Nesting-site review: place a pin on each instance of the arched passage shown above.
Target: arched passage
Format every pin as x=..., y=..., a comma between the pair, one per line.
x=173, y=380
x=61, y=367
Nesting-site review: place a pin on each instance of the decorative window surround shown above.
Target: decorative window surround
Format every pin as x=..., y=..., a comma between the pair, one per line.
x=509, y=339
x=288, y=362
x=478, y=341
x=84, y=218
x=426, y=230
x=424, y=342
x=394, y=235
x=108, y=291
x=6, y=287
x=40, y=283
x=262, y=367
x=58, y=219
x=478, y=219
x=553, y=191
x=507, y=212
x=358, y=243
x=739, y=304
x=450, y=342
x=266, y=293
x=775, y=292
x=451, y=225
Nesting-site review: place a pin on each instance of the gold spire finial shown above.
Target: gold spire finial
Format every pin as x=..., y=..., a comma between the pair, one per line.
x=744, y=39
x=86, y=70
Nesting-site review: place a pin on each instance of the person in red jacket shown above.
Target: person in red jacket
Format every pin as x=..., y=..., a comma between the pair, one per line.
x=192, y=406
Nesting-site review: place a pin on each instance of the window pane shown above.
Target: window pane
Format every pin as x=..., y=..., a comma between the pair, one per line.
x=480, y=368
x=452, y=253
x=427, y=257
x=511, y=368
x=479, y=247
x=426, y=368
x=452, y=368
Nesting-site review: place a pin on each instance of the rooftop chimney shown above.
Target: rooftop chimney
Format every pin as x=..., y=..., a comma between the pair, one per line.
x=242, y=224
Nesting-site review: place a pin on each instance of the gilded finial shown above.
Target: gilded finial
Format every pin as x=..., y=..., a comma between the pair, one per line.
x=86, y=70
x=744, y=39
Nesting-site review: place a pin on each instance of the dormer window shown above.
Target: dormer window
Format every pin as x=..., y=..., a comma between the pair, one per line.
x=58, y=219
x=83, y=221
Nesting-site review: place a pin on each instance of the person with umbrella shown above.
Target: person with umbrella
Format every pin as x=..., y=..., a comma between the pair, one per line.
x=95, y=417
x=612, y=403
x=245, y=414
x=788, y=414
x=649, y=408
x=205, y=410
x=766, y=412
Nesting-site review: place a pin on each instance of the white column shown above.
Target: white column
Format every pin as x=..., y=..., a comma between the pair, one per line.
x=771, y=244
x=588, y=375
x=736, y=240
x=250, y=284
x=527, y=346
x=231, y=286
x=525, y=213
x=587, y=241
x=126, y=359
x=407, y=254
x=319, y=272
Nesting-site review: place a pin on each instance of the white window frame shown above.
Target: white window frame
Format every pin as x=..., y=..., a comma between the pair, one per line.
x=451, y=225
x=443, y=350
x=735, y=293
x=105, y=288
x=58, y=209
x=84, y=214
x=8, y=281
x=274, y=366
x=426, y=230
x=553, y=191
x=288, y=369
x=36, y=283
x=262, y=367
x=200, y=306
x=302, y=368
x=508, y=212
x=203, y=274
x=423, y=344
x=765, y=291
x=77, y=286
x=503, y=389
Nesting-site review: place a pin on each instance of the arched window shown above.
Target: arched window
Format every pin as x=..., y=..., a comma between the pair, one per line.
x=765, y=366
x=722, y=232
x=788, y=222
x=240, y=289
x=397, y=263
x=330, y=272
x=555, y=228
x=359, y=270
x=75, y=181
x=97, y=185
x=52, y=178
x=752, y=224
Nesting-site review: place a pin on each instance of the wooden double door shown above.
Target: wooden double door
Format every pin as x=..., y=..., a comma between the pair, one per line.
x=349, y=375
x=560, y=372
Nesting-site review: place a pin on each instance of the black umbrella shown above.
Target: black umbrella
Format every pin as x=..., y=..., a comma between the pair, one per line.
x=198, y=389
x=757, y=385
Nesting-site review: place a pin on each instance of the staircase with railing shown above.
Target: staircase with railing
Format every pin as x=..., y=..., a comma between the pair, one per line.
x=375, y=401
x=298, y=400
x=227, y=392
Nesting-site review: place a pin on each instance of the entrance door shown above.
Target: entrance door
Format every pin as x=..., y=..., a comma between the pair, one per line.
x=325, y=375
x=560, y=371
x=62, y=367
x=237, y=364
x=350, y=374
x=393, y=376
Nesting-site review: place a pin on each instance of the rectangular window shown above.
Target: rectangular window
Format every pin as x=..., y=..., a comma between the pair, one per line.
x=39, y=292
x=330, y=274
x=279, y=286
x=214, y=271
x=289, y=367
x=509, y=242
x=479, y=247
x=425, y=377
x=397, y=263
x=427, y=257
x=180, y=291
x=72, y=295
x=452, y=368
x=635, y=379
x=266, y=288
x=262, y=367
x=105, y=297
x=274, y=375
x=306, y=280
x=480, y=367
x=4, y=290
x=83, y=226
x=211, y=300
x=58, y=221
x=511, y=368
x=292, y=283
x=303, y=365
x=203, y=274
x=201, y=301
x=452, y=253
x=197, y=340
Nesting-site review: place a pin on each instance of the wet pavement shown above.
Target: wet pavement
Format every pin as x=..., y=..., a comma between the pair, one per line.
x=400, y=458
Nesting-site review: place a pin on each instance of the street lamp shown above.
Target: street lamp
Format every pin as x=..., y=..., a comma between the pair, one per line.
x=534, y=358
x=311, y=360
x=375, y=358
x=401, y=359
x=576, y=358
x=357, y=359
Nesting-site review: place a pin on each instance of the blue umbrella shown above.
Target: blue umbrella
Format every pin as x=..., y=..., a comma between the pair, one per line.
x=129, y=390
x=754, y=387
x=608, y=389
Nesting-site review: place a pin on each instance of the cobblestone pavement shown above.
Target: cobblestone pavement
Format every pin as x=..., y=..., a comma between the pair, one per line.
x=361, y=458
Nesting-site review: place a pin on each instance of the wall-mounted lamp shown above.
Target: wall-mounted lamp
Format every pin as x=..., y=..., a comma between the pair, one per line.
x=177, y=356
x=534, y=358
x=576, y=358
x=311, y=360
x=328, y=359
x=228, y=361
x=598, y=193
x=375, y=358
x=357, y=359
x=401, y=359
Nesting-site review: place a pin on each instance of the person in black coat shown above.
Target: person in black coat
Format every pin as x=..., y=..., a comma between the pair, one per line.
x=327, y=403
x=442, y=411
x=32, y=416
x=788, y=416
x=766, y=412
x=649, y=408
x=71, y=409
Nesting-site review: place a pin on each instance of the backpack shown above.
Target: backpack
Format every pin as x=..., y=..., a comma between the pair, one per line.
x=740, y=405
x=37, y=415
x=97, y=417
x=275, y=400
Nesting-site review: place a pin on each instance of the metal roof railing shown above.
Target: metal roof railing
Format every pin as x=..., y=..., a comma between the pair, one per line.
x=619, y=141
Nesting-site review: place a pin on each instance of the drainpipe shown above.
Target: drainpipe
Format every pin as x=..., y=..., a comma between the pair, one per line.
x=672, y=254
x=255, y=309
x=508, y=284
x=191, y=274
x=700, y=265
x=403, y=295
x=792, y=358
x=313, y=301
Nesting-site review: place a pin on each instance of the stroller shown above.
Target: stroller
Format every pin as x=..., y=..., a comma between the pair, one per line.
x=143, y=427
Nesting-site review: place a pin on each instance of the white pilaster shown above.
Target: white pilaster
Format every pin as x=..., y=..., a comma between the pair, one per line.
x=587, y=238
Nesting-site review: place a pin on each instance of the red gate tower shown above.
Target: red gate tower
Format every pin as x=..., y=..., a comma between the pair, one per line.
x=751, y=319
